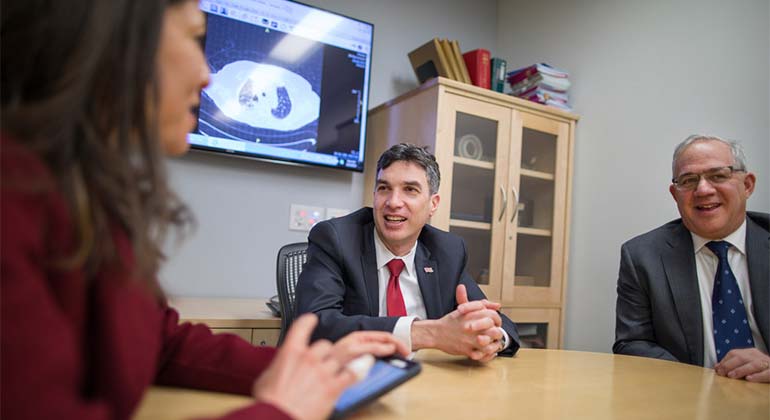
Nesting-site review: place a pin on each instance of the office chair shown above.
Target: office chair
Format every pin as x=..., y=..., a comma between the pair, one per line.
x=291, y=259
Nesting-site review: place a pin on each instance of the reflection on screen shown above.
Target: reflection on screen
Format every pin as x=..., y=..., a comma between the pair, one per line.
x=380, y=376
x=288, y=82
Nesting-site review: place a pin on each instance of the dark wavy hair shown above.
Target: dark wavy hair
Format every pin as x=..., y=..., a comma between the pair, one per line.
x=79, y=89
x=408, y=152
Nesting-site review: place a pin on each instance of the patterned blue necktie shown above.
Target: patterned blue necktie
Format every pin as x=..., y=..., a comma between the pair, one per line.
x=731, y=325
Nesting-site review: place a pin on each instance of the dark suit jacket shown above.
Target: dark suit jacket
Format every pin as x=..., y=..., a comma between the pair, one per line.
x=339, y=281
x=658, y=308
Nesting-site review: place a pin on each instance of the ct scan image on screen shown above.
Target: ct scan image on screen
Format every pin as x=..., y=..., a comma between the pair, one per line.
x=288, y=82
x=258, y=98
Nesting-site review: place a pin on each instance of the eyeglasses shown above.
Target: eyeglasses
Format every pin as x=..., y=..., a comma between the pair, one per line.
x=714, y=176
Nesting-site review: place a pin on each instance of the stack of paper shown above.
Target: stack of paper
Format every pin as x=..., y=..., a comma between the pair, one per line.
x=541, y=83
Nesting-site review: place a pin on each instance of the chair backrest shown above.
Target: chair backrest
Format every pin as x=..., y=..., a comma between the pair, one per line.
x=291, y=259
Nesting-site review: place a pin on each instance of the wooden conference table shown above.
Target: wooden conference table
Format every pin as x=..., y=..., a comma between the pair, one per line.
x=536, y=384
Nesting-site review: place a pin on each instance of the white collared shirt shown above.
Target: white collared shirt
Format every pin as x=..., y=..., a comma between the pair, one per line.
x=410, y=289
x=706, y=263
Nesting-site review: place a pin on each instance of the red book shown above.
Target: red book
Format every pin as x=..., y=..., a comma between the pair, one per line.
x=477, y=62
x=519, y=75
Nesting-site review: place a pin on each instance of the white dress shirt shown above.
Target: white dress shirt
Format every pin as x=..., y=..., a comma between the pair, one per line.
x=410, y=289
x=706, y=263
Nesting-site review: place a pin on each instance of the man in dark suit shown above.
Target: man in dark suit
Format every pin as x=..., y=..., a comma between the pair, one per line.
x=697, y=289
x=386, y=269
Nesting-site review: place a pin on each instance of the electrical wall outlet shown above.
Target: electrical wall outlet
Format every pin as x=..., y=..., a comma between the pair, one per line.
x=303, y=218
x=332, y=213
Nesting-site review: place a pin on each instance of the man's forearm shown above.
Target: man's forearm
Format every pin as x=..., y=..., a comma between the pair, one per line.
x=333, y=324
x=424, y=334
x=642, y=348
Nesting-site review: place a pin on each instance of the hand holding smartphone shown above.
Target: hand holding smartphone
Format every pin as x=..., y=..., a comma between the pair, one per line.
x=385, y=375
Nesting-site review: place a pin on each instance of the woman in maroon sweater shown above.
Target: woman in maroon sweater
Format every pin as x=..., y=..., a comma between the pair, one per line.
x=93, y=93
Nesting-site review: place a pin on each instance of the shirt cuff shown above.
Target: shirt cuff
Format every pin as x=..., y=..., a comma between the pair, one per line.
x=403, y=330
x=506, y=339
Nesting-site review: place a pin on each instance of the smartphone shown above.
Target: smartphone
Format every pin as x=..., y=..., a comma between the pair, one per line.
x=385, y=375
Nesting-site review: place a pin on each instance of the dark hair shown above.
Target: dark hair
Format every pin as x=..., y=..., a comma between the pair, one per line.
x=415, y=154
x=79, y=89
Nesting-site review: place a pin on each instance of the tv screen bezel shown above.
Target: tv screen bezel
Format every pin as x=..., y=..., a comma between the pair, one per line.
x=295, y=162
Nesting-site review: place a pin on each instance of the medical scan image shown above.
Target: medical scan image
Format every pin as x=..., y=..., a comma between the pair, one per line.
x=265, y=86
x=264, y=96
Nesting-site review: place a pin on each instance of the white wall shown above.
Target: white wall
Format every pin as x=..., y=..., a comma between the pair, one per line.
x=242, y=206
x=645, y=75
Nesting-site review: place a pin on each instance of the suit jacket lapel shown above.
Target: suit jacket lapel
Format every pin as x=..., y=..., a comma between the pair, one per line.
x=369, y=267
x=427, y=277
x=757, y=252
x=682, y=276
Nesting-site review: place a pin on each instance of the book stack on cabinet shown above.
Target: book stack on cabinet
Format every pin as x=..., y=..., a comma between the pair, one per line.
x=541, y=83
x=506, y=170
x=443, y=58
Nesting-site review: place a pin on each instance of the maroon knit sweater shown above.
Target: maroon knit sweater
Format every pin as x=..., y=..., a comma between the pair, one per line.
x=88, y=349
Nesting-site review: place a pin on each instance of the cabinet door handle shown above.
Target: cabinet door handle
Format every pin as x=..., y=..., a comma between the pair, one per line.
x=505, y=204
x=515, y=203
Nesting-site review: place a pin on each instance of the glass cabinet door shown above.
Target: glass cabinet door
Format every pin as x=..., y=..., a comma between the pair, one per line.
x=535, y=235
x=474, y=177
x=538, y=328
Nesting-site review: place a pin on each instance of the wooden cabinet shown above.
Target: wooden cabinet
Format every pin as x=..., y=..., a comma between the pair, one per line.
x=265, y=336
x=244, y=333
x=246, y=318
x=506, y=167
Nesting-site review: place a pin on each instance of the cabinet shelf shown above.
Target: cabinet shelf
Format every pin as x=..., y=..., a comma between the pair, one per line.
x=537, y=174
x=475, y=163
x=469, y=224
x=533, y=231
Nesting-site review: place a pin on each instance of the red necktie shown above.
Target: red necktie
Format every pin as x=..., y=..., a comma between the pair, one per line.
x=395, y=299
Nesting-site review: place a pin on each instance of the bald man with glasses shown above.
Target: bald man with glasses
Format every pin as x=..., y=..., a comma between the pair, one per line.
x=697, y=290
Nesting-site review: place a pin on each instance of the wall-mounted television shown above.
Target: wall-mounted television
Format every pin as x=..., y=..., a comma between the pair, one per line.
x=289, y=83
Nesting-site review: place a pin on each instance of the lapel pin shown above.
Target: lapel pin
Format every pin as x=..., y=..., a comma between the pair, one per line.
x=428, y=269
